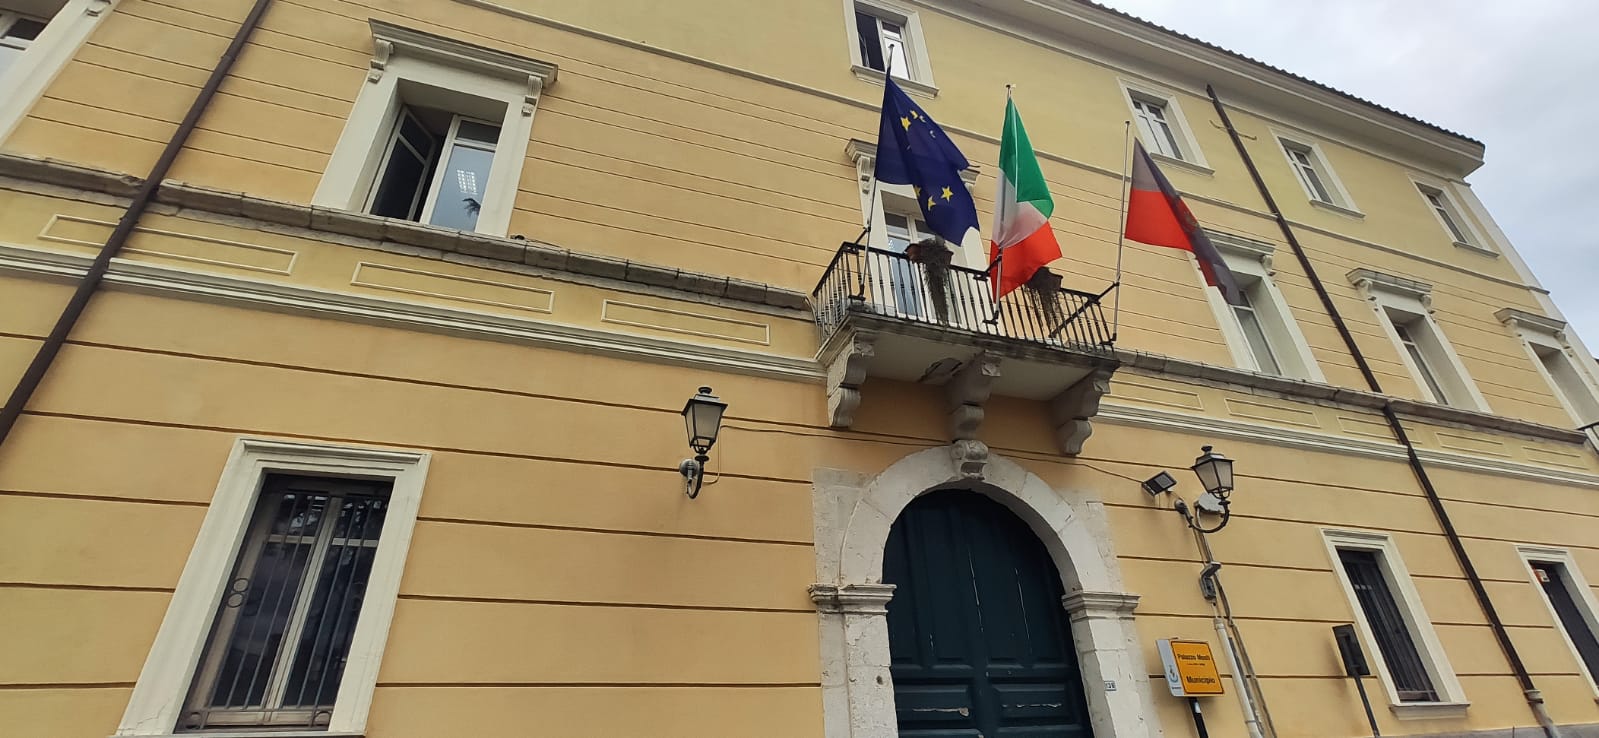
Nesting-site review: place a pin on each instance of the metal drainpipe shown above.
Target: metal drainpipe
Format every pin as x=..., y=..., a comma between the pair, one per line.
x=1529, y=690
x=90, y=282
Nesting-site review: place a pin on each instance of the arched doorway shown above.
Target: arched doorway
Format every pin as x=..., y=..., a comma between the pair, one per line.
x=979, y=640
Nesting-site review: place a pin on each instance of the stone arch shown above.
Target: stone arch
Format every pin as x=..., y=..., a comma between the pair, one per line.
x=854, y=513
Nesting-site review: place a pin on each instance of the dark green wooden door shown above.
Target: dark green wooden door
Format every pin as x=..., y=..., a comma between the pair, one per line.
x=980, y=642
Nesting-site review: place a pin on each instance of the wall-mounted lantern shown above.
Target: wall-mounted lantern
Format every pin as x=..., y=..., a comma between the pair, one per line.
x=1215, y=473
x=702, y=416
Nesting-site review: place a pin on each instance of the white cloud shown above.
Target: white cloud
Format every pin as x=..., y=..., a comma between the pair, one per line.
x=1516, y=76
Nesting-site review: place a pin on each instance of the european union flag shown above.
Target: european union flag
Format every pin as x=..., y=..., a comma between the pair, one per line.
x=913, y=150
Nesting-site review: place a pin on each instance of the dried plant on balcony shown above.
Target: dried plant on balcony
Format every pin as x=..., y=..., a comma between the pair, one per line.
x=1044, y=287
x=935, y=256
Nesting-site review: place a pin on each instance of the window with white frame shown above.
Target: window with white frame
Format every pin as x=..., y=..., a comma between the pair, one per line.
x=887, y=37
x=1403, y=308
x=1261, y=332
x=1399, y=638
x=1315, y=175
x=438, y=133
x=1160, y=124
x=281, y=613
x=1546, y=344
x=893, y=217
x=1571, y=603
x=1443, y=207
x=17, y=32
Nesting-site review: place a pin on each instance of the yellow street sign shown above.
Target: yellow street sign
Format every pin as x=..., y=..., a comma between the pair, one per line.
x=1190, y=668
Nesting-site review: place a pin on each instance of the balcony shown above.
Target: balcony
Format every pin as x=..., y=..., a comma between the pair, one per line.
x=882, y=314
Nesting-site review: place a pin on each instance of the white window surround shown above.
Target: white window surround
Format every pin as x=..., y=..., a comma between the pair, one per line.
x=416, y=68
x=1451, y=696
x=1578, y=390
x=918, y=80
x=1191, y=156
x=1474, y=240
x=158, y=697
x=1581, y=592
x=1410, y=302
x=973, y=251
x=1251, y=262
x=1341, y=203
x=25, y=81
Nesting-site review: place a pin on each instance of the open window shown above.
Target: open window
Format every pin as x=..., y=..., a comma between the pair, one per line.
x=887, y=36
x=1546, y=344
x=1398, y=637
x=1403, y=308
x=281, y=614
x=1261, y=333
x=438, y=133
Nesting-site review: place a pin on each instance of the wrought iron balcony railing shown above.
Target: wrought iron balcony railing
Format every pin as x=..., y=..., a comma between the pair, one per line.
x=870, y=281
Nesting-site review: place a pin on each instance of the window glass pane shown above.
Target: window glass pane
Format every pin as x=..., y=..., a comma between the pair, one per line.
x=894, y=50
x=1256, y=336
x=400, y=185
x=25, y=29
x=283, y=628
x=483, y=133
x=1388, y=626
x=1557, y=587
x=899, y=231
x=1420, y=359
x=871, y=45
x=460, y=196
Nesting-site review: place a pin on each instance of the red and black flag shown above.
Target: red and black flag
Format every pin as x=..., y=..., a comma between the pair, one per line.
x=1156, y=215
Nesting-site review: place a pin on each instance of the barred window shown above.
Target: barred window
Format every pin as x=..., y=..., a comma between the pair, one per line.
x=1388, y=625
x=282, y=631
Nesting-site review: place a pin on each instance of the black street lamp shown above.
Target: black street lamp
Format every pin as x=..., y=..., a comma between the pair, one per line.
x=1215, y=473
x=702, y=415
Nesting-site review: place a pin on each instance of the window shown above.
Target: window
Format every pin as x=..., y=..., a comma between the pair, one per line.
x=1571, y=603
x=1404, y=309
x=1546, y=343
x=1255, y=334
x=893, y=215
x=438, y=134
x=17, y=33
x=884, y=36
x=1261, y=333
x=1161, y=125
x=1446, y=213
x=411, y=184
x=1422, y=363
x=1399, y=638
x=1316, y=176
x=882, y=44
x=283, y=629
x=281, y=613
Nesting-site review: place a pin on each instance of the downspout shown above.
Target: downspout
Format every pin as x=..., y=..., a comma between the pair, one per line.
x=142, y=198
x=1250, y=697
x=1529, y=690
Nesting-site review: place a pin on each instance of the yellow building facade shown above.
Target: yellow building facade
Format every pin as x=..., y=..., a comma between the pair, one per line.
x=370, y=424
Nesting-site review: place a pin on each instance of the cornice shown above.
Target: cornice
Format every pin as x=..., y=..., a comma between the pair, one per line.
x=1517, y=318
x=864, y=155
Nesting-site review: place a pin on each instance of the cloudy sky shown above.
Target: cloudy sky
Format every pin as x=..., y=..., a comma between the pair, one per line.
x=1518, y=76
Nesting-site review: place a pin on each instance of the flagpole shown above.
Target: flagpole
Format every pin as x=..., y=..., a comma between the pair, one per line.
x=999, y=217
x=871, y=195
x=1121, y=232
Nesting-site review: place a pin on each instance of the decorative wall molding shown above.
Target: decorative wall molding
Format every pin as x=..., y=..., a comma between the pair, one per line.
x=863, y=154
x=160, y=279
x=389, y=39
x=1517, y=318
x=1369, y=281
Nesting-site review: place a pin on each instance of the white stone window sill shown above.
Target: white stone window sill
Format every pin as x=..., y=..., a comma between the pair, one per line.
x=1339, y=209
x=1183, y=164
x=911, y=86
x=1429, y=710
x=1474, y=248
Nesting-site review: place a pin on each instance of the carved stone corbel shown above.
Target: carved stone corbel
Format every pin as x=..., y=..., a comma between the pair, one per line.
x=845, y=374
x=535, y=87
x=968, y=391
x=96, y=7
x=382, y=49
x=852, y=599
x=1072, y=410
x=971, y=458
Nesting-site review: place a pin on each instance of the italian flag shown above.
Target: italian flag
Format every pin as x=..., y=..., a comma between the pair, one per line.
x=1023, y=241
